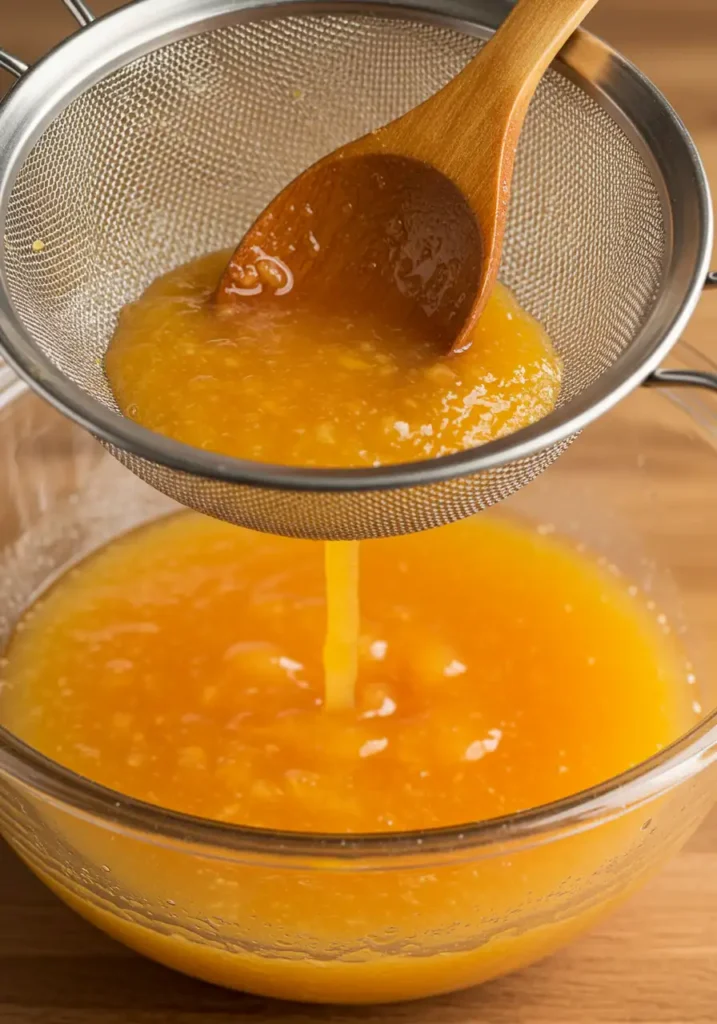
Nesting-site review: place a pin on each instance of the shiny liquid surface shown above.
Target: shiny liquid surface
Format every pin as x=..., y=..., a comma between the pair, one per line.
x=288, y=382
x=182, y=665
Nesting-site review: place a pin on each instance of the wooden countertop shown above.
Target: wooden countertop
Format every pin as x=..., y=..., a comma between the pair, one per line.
x=654, y=962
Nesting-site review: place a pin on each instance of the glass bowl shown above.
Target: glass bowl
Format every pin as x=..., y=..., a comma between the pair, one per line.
x=372, y=918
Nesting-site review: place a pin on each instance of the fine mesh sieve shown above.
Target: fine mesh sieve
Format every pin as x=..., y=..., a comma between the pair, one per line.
x=159, y=132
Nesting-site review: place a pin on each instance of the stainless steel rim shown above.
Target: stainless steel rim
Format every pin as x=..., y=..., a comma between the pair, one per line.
x=617, y=85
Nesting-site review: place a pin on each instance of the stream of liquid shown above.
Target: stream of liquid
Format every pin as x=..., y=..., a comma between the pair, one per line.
x=342, y=624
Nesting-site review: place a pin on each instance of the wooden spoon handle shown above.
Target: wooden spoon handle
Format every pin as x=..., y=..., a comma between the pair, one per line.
x=525, y=44
x=485, y=104
x=469, y=130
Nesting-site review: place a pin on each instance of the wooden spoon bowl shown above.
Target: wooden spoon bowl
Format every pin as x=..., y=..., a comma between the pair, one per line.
x=410, y=219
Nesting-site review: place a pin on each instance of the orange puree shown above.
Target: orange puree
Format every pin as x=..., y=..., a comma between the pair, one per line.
x=283, y=382
x=498, y=669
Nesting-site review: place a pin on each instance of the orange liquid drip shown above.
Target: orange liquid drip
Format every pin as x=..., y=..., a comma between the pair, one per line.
x=342, y=624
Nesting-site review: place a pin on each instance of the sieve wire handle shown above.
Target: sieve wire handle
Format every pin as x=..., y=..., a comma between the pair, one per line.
x=12, y=64
x=682, y=379
x=686, y=378
x=77, y=8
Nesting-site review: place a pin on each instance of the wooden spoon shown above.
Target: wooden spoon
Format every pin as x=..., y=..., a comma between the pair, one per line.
x=409, y=220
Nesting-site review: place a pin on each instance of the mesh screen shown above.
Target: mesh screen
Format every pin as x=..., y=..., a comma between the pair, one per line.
x=176, y=153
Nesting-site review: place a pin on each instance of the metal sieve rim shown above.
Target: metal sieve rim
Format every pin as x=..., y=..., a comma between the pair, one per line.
x=612, y=81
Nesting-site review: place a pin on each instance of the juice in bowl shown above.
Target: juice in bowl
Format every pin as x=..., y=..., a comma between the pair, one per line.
x=255, y=744
x=456, y=822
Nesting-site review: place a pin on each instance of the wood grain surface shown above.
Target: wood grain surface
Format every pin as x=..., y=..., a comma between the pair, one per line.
x=654, y=962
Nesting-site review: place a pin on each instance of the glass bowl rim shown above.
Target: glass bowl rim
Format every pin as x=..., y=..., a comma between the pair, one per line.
x=691, y=753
